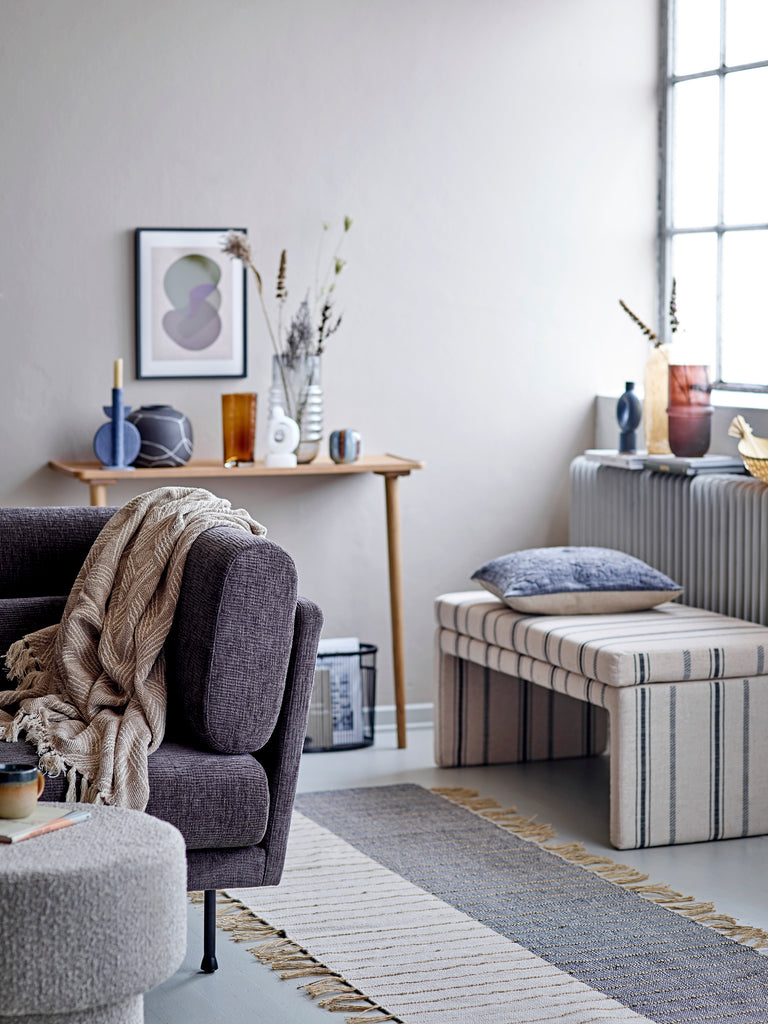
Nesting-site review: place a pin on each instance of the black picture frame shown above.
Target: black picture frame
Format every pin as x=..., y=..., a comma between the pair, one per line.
x=190, y=305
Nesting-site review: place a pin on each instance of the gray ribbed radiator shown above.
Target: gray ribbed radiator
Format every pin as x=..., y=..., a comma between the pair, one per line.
x=708, y=532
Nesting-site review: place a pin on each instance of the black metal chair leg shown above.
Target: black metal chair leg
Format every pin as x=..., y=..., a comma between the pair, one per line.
x=209, y=965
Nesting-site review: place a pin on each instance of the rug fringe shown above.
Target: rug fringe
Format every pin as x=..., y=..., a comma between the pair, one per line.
x=282, y=954
x=273, y=947
x=508, y=818
x=620, y=874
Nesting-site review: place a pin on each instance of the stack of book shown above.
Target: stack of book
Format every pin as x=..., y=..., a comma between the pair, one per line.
x=44, y=818
x=667, y=463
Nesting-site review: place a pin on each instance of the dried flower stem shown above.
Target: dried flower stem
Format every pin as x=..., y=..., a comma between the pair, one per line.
x=646, y=330
x=300, y=340
x=238, y=246
x=674, y=323
x=335, y=267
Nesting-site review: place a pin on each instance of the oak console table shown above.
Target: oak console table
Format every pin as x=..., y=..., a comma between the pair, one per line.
x=391, y=467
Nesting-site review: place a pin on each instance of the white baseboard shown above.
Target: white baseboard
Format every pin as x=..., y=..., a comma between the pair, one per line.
x=417, y=716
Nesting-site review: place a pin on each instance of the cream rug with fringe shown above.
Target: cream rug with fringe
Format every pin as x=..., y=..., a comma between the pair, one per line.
x=443, y=908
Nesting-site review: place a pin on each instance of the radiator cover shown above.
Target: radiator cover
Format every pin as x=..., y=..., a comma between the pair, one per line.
x=708, y=532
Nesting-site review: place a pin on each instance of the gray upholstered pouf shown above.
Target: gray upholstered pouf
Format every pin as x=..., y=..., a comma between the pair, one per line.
x=91, y=917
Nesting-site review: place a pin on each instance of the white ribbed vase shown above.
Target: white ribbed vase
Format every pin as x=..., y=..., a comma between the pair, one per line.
x=299, y=389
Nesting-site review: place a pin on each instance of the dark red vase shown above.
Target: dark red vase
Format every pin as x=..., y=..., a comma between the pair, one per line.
x=690, y=411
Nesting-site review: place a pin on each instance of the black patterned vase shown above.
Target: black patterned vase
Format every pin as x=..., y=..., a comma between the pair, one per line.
x=166, y=436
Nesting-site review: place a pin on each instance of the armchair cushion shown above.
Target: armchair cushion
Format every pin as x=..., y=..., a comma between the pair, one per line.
x=214, y=800
x=42, y=549
x=22, y=615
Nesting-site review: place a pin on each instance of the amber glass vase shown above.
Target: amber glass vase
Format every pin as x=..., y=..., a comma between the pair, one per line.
x=238, y=420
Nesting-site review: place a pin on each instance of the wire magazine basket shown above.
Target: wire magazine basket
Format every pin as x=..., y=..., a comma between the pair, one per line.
x=342, y=706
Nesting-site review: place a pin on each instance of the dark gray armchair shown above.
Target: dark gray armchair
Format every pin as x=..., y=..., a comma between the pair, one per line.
x=240, y=662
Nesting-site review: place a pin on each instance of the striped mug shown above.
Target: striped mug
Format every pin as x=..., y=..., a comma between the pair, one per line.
x=20, y=787
x=344, y=445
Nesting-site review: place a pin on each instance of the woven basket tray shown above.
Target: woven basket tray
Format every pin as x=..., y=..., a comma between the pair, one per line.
x=757, y=467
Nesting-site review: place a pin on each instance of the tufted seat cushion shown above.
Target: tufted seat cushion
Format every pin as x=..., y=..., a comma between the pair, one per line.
x=214, y=800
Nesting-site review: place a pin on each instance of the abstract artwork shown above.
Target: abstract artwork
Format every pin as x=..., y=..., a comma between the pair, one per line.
x=190, y=304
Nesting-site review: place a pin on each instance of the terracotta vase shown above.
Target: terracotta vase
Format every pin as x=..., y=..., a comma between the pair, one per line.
x=656, y=387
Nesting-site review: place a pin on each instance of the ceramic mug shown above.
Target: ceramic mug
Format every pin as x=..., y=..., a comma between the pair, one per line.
x=344, y=446
x=20, y=788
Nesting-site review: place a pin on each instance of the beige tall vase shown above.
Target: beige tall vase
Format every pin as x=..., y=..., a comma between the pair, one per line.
x=656, y=386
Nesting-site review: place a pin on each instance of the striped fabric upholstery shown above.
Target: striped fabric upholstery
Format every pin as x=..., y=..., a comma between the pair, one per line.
x=486, y=716
x=666, y=644
x=686, y=754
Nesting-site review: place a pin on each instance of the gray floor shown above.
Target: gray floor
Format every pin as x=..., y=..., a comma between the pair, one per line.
x=571, y=795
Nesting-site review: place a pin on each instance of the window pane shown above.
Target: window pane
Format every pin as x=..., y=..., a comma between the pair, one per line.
x=695, y=153
x=746, y=147
x=697, y=36
x=694, y=265
x=746, y=32
x=745, y=334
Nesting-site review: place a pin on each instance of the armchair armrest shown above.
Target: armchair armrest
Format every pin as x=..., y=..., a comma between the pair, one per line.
x=230, y=645
x=280, y=758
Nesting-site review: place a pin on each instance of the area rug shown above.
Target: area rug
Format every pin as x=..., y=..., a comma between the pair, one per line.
x=401, y=904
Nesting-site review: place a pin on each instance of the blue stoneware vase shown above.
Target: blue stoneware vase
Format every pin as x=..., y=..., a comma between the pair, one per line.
x=166, y=436
x=628, y=412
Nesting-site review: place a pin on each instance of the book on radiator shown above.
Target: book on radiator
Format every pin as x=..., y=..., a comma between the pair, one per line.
x=680, y=464
x=693, y=466
x=45, y=818
x=620, y=460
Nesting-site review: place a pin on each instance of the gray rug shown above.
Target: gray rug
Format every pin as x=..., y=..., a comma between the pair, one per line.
x=440, y=915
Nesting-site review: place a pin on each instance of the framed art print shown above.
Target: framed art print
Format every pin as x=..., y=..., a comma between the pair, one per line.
x=190, y=304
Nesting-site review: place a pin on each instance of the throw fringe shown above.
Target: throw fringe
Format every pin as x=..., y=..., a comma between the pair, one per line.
x=273, y=948
x=22, y=665
x=31, y=727
x=620, y=874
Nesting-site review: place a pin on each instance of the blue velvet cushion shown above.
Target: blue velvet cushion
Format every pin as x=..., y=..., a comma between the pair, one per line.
x=575, y=581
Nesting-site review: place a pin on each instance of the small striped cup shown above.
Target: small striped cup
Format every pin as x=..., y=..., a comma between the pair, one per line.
x=344, y=445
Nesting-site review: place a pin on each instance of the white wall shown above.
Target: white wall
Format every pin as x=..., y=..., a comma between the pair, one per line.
x=498, y=158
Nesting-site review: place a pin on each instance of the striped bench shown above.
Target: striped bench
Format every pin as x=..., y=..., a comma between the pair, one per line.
x=680, y=694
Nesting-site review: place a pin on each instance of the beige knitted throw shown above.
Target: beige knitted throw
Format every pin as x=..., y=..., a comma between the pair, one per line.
x=91, y=690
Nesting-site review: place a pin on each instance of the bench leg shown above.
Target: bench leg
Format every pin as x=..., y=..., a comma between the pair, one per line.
x=687, y=761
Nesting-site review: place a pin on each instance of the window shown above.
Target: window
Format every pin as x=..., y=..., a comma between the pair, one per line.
x=713, y=229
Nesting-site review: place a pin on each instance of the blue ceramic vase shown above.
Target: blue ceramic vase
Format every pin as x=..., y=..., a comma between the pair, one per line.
x=166, y=436
x=629, y=412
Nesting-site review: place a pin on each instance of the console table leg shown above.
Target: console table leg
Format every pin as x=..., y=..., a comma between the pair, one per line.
x=396, y=601
x=98, y=494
